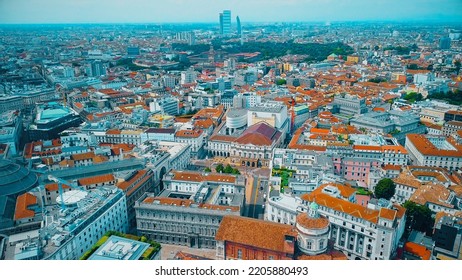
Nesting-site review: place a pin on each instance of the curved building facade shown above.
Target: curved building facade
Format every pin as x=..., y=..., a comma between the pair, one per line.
x=313, y=232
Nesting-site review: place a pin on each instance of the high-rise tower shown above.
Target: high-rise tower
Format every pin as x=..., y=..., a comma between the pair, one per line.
x=239, y=27
x=225, y=22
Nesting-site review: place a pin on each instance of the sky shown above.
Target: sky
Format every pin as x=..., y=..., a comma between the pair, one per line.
x=163, y=11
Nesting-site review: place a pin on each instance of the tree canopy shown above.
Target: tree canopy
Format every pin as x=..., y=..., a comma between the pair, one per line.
x=413, y=97
x=385, y=188
x=227, y=170
x=419, y=217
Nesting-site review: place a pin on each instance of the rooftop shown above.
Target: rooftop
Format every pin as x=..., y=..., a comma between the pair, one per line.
x=119, y=248
x=256, y=233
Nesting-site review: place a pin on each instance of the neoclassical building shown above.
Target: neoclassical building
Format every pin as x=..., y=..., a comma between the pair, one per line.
x=253, y=147
x=241, y=238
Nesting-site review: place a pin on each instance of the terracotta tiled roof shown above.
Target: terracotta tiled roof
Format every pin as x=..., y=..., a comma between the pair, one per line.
x=343, y=206
x=387, y=214
x=457, y=190
x=113, y=131
x=54, y=187
x=23, y=202
x=96, y=180
x=187, y=203
x=199, y=177
x=425, y=147
x=67, y=162
x=312, y=223
x=432, y=193
x=189, y=133
x=256, y=233
x=392, y=167
x=259, y=134
x=99, y=159
x=134, y=182
x=83, y=156
x=406, y=179
x=417, y=250
x=345, y=191
x=222, y=138
x=203, y=123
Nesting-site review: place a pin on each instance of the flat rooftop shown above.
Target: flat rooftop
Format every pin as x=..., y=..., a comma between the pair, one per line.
x=119, y=248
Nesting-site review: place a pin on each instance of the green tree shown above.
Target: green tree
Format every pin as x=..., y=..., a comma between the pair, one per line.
x=385, y=188
x=457, y=65
x=228, y=169
x=236, y=171
x=280, y=82
x=219, y=168
x=419, y=217
x=413, y=97
x=207, y=169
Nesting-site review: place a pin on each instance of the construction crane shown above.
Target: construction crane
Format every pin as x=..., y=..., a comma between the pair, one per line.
x=60, y=183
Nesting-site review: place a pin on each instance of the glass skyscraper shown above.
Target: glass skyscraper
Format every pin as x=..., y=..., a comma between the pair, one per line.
x=225, y=22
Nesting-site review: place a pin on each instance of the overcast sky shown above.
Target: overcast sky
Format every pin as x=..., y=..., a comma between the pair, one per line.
x=155, y=11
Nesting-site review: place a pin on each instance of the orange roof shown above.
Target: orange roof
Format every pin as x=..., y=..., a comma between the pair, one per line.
x=134, y=182
x=387, y=214
x=188, y=203
x=54, y=187
x=83, y=156
x=345, y=191
x=408, y=180
x=319, y=131
x=344, y=206
x=432, y=193
x=256, y=233
x=254, y=139
x=417, y=250
x=108, y=91
x=113, y=131
x=378, y=109
x=391, y=167
x=426, y=147
x=23, y=202
x=417, y=71
x=99, y=159
x=67, y=162
x=199, y=177
x=189, y=133
x=312, y=223
x=96, y=180
x=203, y=123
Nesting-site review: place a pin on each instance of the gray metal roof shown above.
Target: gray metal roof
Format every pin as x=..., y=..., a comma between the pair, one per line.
x=15, y=179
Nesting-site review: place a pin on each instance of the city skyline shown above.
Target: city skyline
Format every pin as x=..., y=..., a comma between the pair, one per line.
x=182, y=11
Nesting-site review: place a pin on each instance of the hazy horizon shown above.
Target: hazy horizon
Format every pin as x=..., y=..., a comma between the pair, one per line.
x=206, y=11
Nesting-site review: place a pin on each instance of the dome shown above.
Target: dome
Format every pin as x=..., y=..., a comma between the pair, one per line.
x=15, y=179
x=309, y=223
x=314, y=206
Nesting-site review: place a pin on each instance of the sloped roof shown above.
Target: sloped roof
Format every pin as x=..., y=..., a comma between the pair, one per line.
x=22, y=206
x=260, y=134
x=256, y=233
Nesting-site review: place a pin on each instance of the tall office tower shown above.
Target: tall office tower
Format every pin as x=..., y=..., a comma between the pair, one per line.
x=97, y=68
x=221, y=23
x=239, y=27
x=225, y=22
x=445, y=43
